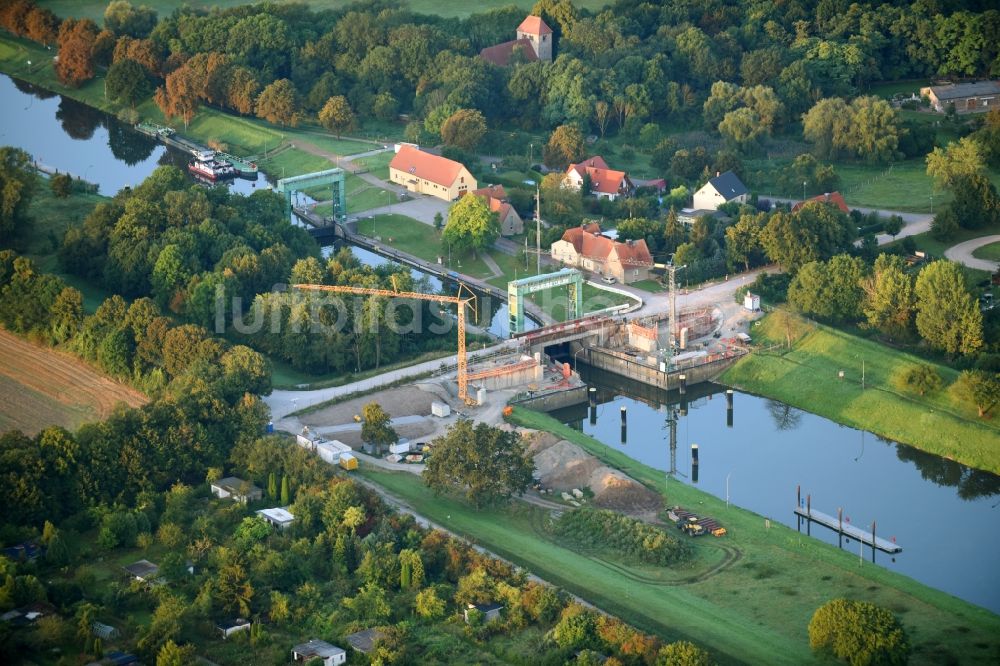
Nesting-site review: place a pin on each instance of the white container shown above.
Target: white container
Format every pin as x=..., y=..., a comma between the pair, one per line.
x=400, y=448
x=440, y=409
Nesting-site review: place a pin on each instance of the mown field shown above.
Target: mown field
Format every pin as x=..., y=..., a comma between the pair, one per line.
x=990, y=252
x=806, y=376
x=747, y=596
x=40, y=387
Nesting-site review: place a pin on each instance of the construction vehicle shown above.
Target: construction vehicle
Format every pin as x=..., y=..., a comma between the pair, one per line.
x=461, y=301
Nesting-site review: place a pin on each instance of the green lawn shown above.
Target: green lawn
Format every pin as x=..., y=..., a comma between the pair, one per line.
x=285, y=377
x=890, y=88
x=649, y=285
x=94, y=9
x=361, y=196
x=806, y=376
x=990, y=252
x=378, y=165
x=748, y=596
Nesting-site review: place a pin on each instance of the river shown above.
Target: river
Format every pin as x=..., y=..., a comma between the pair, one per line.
x=944, y=515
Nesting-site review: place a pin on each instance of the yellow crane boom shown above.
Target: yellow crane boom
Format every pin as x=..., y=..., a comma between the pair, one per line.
x=461, y=301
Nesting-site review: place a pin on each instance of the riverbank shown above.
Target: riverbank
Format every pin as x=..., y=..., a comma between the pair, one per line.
x=869, y=396
x=747, y=596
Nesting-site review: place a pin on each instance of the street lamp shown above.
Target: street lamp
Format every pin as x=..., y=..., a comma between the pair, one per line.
x=803, y=190
x=574, y=357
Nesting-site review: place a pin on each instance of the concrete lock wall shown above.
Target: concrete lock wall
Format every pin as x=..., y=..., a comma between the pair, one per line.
x=550, y=402
x=515, y=377
x=621, y=364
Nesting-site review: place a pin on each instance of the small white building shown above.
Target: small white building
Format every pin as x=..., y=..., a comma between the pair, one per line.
x=280, y=517
x=230, y=626
x=330, y=654
x=237, y=489
x=724, y=188
x=751, y=302
x=440, y=409
x=490, y=611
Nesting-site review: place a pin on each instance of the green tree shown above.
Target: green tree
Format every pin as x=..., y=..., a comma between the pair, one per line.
x=127, y=82
x=465, y=129
x=232, y=589
x=376, y=428
x=411, y=570
x=565, y=147
x=272, y=486
x=61, y=185
x=471, y=226
x=17, y=187
x=889, y=302
x=369, y=604
x=858, y=632
x=966, y=157
x=172, y=654
x=576, y=629
x=121, y=18
x=742, y=128
x=979, y=387
x=286, y=493
x=743, y=246
x=279, y=103
x=485, y=463
x=337, y=115
x=67, y=315
x=948, y=317
x=922, y=378
x=57, y=552
x=428, y=605
x=825, y=126
x=682, y=653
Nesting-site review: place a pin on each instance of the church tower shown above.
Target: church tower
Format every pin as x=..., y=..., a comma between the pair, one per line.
x=534, y=29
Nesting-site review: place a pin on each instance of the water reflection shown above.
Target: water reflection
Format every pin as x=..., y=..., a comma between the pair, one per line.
x=129, y=146
x=785, y=417
x=78, y=120
x=971, y=483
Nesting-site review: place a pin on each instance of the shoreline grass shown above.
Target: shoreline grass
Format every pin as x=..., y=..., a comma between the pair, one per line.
x=806, y=376
x=754, y=608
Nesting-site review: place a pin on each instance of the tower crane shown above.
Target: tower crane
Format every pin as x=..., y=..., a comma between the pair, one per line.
x=462, y=301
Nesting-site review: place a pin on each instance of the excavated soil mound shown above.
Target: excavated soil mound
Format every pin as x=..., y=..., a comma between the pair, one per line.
x=563, y=466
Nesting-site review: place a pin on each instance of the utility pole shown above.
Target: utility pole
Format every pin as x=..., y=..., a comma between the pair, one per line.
x=672, y=271
x=538, y=231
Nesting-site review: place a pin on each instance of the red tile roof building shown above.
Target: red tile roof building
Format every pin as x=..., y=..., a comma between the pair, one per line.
x=605, y=182
x=534, y=42
x=832, y=198
x=426, y=173
x=496, y=198
x=585, y=247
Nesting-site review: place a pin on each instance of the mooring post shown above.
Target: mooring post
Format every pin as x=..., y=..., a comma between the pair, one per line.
x=624, y=414
x=809, y=522
x=592, y=394
x=729, y=399
x=683, y=385
x=873, y=539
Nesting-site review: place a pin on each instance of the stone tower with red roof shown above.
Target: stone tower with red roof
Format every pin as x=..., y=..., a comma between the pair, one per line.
x=534, y=29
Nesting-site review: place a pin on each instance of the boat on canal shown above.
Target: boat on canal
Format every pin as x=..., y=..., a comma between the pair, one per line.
x=206, y=165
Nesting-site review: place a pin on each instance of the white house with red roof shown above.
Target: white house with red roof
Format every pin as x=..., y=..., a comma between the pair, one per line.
x=605, y=182
x=496, y=198
x=425, y=173
x=586, y=248
x=533, y=43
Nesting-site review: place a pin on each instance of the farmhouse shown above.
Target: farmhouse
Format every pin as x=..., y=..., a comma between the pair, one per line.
x=424, y=173
x=605, y=182
x=237, y=489
x=496, y=198
x=965, y=97
x=725, y=187
x=585, y=247
x=533, y=43
x=330, y=655
x=835, y=199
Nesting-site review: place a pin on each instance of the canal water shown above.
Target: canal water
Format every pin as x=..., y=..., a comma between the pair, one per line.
x=944, y=515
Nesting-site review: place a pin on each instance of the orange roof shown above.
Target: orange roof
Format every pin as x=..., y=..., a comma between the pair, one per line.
x=596, y=162
x=492, y=192
x=534, y=25
x=501, y=54
x=589, y=243
x=430, y=167
x=607, y=181
x=832, y=198
x=634, y=253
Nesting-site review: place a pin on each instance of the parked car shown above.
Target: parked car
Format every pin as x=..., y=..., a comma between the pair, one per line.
x=608, y=279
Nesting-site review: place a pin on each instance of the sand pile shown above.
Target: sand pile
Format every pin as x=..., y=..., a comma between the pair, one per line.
x=562, y=465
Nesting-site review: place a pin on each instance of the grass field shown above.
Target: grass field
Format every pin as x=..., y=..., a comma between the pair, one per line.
x=806, y=376
x=94, y=9
x=748, y=596
x=40, y=387
x=990, y=252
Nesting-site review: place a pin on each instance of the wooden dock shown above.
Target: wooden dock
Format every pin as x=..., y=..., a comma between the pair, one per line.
x=848, y=530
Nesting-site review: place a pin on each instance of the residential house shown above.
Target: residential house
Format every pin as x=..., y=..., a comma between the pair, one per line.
x=586, y=248
x=424, y=173
x=977, y=97
x=490, y=611
x=496, y=198
x=364, y=641
x=330, y=654
x=280, y=517
x=605, y=182
x=832, y=198
x=235, y=488
x=724, y=188
x=533, y=43
x=231, y=625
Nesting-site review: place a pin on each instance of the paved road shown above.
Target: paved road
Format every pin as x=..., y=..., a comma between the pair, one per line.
x=962, y=253
x=913, y=223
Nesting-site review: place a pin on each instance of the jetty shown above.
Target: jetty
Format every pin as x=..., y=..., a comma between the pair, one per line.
x=837, y=524
x=170, y=137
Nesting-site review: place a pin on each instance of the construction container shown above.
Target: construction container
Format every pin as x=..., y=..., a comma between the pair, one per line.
x=440, y=409
x=348, y=461
x=401, y=447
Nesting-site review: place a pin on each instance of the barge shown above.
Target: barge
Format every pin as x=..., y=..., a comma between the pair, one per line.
x=167, y=135
x=206, y=165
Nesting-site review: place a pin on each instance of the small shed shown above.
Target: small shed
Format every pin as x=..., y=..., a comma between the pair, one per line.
x=364, y=641
x=330, y=654
x=235, y=488
x=280, y=517
x=440, y=409
x=490, y=611
x=104, y=631
x=116, y=658
x=751, y=302
x=231, y=625
x=143, y=571
x=27, y=551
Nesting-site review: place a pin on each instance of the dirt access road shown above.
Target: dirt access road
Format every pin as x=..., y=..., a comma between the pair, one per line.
x=40, y=387
x=962, y=253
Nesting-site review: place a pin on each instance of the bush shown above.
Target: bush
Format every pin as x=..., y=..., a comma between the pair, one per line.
x=858, y=632
x=922, y=379
x=633, y=539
